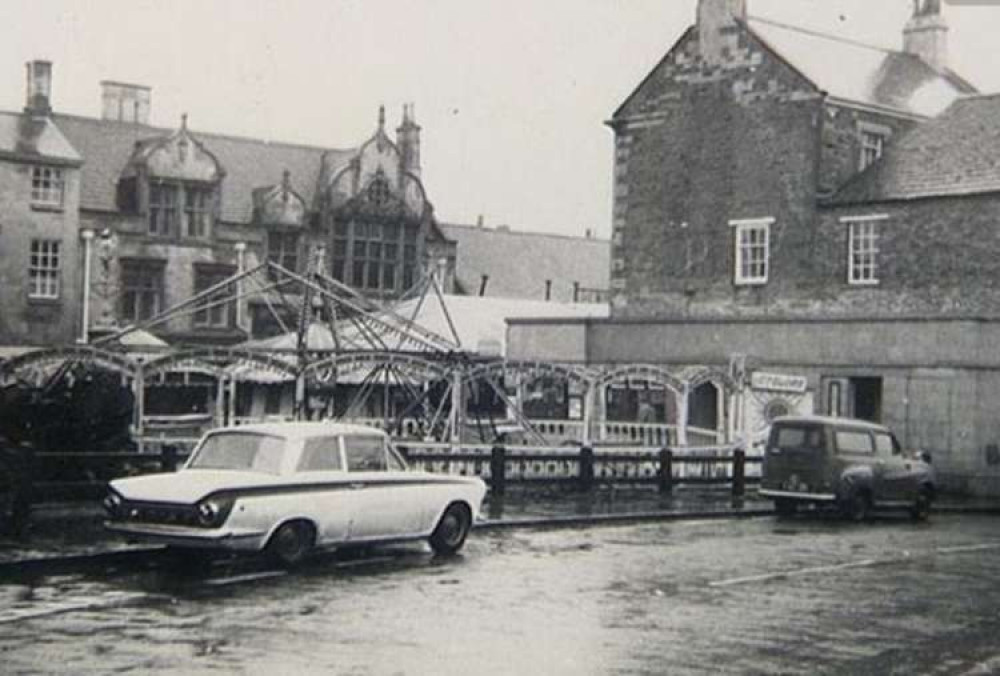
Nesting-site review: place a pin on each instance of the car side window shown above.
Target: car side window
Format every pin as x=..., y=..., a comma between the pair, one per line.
x=365, y=453
x=396, y=462
x=853, y=441
x=321, y=454
x=884, y=444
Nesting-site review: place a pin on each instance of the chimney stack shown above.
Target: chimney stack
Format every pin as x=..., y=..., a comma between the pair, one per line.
x=926, y=34
x=408, y=140
x=39, y=88
x=124, y=102
x=717, y=27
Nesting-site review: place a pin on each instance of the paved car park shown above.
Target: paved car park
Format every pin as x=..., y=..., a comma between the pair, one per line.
x=802, y=595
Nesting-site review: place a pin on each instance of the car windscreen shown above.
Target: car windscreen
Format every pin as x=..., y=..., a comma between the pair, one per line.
x=240, y=451
x=797, y=438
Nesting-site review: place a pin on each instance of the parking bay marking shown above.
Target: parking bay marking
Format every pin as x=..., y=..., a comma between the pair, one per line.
x=865, y=563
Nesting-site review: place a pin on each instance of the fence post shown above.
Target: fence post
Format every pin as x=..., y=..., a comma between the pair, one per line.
x=498, y=470
x=739, y=473
x=586, y=468
x=666, y=470
x=168, y=458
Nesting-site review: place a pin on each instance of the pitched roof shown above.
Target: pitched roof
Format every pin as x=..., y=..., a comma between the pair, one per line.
x=26, y=136
x=956, y=153
x=862, y=73
x=107, y=145
x=519, y=263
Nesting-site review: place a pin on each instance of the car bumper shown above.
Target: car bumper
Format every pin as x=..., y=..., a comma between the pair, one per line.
x=795, y=495
x=181, y=536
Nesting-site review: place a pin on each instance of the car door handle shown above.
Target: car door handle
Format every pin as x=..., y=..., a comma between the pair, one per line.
x=356, y=486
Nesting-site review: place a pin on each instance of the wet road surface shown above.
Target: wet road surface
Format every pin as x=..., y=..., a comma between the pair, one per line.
x=802, y=596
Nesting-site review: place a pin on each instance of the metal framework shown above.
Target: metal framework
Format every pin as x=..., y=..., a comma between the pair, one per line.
x=338, y=340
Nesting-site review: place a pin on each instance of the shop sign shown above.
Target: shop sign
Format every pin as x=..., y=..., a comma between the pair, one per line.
x=778, y=382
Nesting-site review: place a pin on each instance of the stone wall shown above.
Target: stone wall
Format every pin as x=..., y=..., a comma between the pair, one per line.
x=940, y=378
x=23, y=320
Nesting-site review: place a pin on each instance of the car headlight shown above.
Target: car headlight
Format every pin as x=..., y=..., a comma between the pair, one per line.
x=112, y=504
x=214, y=511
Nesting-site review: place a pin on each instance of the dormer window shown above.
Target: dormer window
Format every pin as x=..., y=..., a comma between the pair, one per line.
x=179, y=209
x=872, y=139
x=162, y=209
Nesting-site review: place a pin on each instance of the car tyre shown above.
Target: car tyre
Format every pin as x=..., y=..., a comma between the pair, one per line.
x=450, y=533
x=921, y=509
x=785, y=507
x=291, y=543
x=858, y=506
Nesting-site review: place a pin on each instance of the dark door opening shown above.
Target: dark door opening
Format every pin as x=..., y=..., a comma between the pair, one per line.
x=867, y=398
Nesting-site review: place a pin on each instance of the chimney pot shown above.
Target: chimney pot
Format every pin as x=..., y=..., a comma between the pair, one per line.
x=717, y=20
x=39, y=87
x=926, y=34
x=125, y=102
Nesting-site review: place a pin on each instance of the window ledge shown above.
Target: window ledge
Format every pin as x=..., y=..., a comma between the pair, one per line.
x=870, y=283
x=41, y=300
x=56, y=208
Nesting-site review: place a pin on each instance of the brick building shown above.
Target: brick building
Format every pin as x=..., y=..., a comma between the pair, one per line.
x=816, y=207
x=162, y=214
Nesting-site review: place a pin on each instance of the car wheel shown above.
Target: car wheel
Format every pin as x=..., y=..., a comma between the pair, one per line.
x=857, y=507
x=451, y=531
x=921, y=509
x=291, y=543
x=785, y=507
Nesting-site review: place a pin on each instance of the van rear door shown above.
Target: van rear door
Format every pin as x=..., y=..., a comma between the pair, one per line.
x=796, y=458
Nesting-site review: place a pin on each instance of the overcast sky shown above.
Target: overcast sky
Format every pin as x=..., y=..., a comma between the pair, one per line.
x=511, y=94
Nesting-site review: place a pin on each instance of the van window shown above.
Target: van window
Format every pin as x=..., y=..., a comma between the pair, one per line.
x=799, y=437
x=884, y=444
x=851, y=441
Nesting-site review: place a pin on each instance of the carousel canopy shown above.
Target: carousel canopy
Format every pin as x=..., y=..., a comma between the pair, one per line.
x=479, y=322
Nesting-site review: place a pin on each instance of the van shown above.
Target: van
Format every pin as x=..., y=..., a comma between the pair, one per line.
x=852, y=465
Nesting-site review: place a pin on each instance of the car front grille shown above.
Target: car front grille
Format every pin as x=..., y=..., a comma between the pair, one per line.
x=170, y=515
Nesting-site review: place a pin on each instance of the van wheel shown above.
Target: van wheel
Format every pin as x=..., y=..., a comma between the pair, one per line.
x=291, y=543
x=921, y=509
x=785, y=507
x=451, y=531
x=857, y=507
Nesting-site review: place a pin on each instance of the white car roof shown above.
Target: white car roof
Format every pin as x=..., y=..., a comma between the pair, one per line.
x=302, y=430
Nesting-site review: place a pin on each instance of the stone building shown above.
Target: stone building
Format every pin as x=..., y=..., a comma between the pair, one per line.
x=145, y=217
x=788, y=203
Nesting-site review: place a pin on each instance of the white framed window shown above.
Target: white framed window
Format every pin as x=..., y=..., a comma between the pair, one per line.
x=753, y=250
x=43, y=269
x=872, y=139
x=46, y=186
x=862, y=249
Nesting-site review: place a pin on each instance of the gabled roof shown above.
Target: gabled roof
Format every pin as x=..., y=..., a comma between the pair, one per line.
x=28, y=137
x=956, y=153
x=861, y=73
x=519, y=263
x=107, y=145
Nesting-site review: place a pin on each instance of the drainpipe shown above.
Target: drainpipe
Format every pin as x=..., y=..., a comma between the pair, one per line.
x=241, y=265
x=88, y=238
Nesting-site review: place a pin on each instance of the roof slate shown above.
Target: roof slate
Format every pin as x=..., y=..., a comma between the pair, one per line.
x=956, y=153
x=519, y=263
x=26, y=136
x=107, y=145
x=863, y=73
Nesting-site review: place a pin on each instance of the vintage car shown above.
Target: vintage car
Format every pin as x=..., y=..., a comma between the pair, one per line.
x=848, y=464
x=284, y=488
